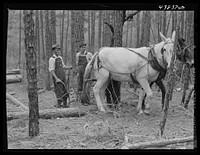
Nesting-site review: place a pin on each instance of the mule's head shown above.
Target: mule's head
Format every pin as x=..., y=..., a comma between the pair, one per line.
x=184, y=53
x=167, y=48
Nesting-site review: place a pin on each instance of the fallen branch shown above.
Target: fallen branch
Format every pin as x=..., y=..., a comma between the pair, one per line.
x=16, y=102
x=48, y=113
x=159, y=143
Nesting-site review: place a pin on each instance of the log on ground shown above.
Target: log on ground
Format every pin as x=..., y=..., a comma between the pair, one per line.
x=159, y=143
x=16, y=102
x=13, y=71
x=15, y=78
x=49, y=113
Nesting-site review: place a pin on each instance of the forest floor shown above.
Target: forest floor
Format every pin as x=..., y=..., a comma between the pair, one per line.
x=97, y=130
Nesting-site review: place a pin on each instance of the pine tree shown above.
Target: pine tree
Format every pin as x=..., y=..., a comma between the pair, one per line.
x=31, y=61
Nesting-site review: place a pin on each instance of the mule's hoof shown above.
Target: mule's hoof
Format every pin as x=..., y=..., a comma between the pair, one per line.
x=147, y=106
x=140, y=112
x=146, y=111
x=102, y=110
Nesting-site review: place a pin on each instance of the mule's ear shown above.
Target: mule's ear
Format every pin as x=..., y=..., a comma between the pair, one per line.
x=163, y=37
x=173, y=36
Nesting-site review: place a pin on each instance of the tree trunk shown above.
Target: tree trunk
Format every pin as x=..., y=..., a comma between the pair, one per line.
x=138, y=30
x=170, y=85
x=186, y=23
x=168, y=23
x=92, y=31
x=118, y=29
x=89, y=28
x=158, y=25
x=186, y=79
x=164, y=23
x=131, y=34
x=19, y=60
x=174, y=20
x=190, y=19
x=145, y=38
x=186, y=71
x=182, y=23
x=62, y=33
x=106, y=32
x=53, y=26
x=77, y=33
x=99, y=31
x=48, y=49
x=37, y=38
x=42, y=36
x=31, y=73
x=67, y=29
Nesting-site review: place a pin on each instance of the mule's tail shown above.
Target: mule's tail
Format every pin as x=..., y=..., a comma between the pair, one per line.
x=86, y=79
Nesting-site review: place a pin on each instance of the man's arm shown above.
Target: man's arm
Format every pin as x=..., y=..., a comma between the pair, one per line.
x=64, y=66
x=54, y=75
x=77, y=54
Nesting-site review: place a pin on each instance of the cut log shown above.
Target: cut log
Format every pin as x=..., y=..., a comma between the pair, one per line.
x=49, y=113
x=13, y=72
x=159, y=143
x=16, y=102
x=16, y=78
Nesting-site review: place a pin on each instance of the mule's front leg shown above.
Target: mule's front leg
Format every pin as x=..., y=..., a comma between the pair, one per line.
x=145, y=85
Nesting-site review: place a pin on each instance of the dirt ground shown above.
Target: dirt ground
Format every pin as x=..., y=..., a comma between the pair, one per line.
x=97, y=130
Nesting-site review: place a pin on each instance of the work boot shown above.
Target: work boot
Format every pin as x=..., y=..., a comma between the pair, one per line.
x=65, y=105
x=58, y=105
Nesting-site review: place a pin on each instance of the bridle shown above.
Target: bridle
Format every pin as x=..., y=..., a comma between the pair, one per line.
x=163, y=50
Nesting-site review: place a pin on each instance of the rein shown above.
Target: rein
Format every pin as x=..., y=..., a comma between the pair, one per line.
x=138, y=54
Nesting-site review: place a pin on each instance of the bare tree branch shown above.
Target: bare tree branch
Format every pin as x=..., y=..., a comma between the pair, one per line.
x=130, y=16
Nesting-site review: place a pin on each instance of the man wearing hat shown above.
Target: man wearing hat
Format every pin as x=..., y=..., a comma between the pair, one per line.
x=82, y=58
x=56, y=68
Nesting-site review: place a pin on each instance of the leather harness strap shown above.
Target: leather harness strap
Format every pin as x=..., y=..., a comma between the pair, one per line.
x=152, y=60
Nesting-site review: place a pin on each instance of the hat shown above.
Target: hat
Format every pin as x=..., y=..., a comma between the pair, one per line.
x=55, y=46
x=82, y=44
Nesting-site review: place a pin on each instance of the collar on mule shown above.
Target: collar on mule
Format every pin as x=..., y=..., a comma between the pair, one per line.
x=161, y=68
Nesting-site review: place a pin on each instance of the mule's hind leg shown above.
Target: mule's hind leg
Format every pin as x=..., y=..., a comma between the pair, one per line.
x=140, y=101
x=102, y=77
x=102, y=92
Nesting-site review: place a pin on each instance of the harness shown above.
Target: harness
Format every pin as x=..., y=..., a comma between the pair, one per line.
x=153, y=61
